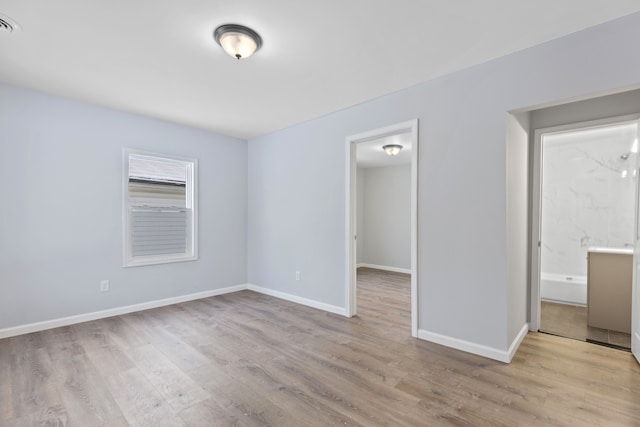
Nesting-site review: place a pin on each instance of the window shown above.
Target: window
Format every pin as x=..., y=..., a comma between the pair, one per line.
x=159, y=209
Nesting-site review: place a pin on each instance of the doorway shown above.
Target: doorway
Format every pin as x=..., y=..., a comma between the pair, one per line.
x=407, y=130
x=585, y=186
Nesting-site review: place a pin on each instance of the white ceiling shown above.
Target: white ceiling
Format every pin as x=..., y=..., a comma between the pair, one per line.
x=369, y=154
x=158, y=58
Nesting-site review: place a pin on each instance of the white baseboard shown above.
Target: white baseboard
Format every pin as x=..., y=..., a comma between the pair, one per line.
x=474, y=348
x=385, y=268
x=513, y=348
x=86, y=317
x=299, y=300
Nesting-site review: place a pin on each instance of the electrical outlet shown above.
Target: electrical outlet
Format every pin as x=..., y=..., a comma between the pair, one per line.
x=297, y=275
x=104, y=286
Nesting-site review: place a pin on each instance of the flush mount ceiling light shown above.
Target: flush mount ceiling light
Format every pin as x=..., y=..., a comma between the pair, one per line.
x=238, y=41
x=392, y=149
x=8, y=25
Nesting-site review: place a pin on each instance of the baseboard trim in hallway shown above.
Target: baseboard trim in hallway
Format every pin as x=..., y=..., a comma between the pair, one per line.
x=86, y=317
x=385, y=268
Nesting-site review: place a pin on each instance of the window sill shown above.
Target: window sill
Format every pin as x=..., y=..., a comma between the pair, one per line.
x=153, y=260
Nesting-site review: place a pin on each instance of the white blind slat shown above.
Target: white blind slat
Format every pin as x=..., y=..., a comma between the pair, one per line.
x=157, y=169
x=157, y=194
x=157, y=231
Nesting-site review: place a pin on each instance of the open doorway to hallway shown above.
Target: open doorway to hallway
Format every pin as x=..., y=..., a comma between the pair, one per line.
x=383, y=228
x=381, y=214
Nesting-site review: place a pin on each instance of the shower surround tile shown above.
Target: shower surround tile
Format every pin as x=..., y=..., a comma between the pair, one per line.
x=587, y=195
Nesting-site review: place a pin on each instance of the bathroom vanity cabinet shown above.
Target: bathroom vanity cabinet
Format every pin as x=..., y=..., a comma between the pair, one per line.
x=609, y=283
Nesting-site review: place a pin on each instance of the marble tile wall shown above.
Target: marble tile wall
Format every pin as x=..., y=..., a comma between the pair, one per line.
x=587, y=195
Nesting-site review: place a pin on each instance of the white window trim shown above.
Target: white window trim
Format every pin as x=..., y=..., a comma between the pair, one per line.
x=127, y=259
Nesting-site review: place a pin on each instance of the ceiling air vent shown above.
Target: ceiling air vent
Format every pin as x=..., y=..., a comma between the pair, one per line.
x=8, y=25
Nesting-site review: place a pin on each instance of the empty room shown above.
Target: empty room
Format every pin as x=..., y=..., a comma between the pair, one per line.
x=319, y=213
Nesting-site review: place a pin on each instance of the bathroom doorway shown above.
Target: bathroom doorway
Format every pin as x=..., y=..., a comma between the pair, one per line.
x=586, y=200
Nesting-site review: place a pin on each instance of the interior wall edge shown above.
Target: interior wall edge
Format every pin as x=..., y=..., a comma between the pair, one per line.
x=515, y=344
x=517, y=220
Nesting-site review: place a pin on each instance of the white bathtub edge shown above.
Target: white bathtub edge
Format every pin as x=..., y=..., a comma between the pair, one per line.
x=555, y=288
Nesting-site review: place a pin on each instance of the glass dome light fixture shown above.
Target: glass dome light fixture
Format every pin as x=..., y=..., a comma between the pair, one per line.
x=238, y=41
x=392, y=149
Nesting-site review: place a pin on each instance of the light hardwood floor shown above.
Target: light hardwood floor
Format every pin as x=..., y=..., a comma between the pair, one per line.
x=249, y=359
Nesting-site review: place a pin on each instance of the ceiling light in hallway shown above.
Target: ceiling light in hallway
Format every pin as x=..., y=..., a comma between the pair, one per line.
x=392, y=149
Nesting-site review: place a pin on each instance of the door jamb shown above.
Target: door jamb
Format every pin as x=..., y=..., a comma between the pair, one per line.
x=350, y=213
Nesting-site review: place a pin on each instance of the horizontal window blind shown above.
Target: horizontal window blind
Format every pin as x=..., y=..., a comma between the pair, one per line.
x=157, y=194
x=160, y=209
x=151, y=168
x=158, y=231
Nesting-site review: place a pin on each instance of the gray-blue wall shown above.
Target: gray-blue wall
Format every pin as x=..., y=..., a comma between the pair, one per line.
x=297, y=183
x=61, y=215
x=384, y=208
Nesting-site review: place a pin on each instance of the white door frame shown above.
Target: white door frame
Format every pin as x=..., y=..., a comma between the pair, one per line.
x=350, y=214
x=536, y=202
x=635, y=288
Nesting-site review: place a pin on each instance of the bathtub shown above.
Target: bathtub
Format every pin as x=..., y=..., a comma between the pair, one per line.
x=562, y=288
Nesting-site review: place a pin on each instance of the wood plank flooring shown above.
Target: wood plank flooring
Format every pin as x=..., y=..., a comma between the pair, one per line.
x=247, y=359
